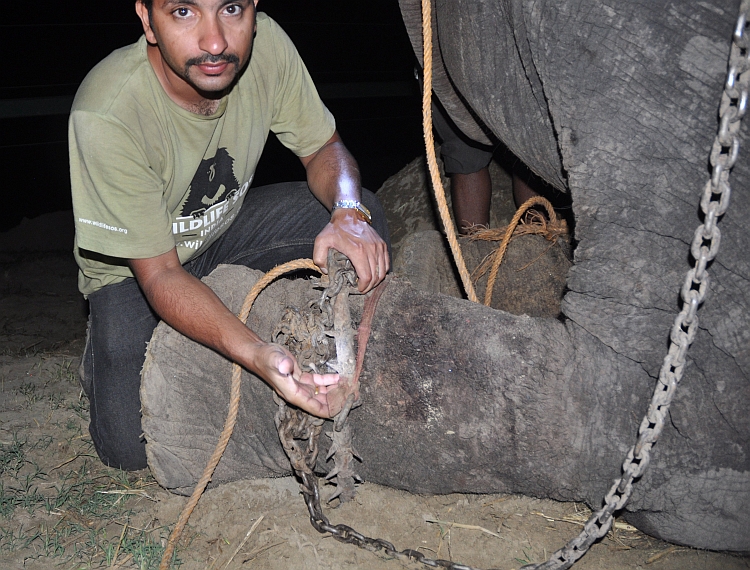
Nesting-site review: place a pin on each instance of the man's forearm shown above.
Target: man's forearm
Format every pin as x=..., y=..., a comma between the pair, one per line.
x=333, y=174
x=192, y=308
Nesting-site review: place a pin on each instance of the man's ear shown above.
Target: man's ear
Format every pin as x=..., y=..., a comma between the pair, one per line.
x=142, y=11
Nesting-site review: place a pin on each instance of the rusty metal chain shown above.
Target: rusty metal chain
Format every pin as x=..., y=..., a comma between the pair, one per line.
x=342, y=281
x=295, y=426
x=322, y=338
x=304, y=332
x=309, y=334
x=292, y=426
x=704, y=247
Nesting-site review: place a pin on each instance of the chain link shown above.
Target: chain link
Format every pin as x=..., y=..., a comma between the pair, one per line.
x=704, y=247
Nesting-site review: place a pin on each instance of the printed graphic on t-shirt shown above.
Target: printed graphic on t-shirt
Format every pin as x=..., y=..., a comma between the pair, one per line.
x=212, y=201
x=212, y=182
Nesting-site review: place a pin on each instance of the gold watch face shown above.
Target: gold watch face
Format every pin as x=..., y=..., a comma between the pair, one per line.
x=364, y=213
x=362, y=216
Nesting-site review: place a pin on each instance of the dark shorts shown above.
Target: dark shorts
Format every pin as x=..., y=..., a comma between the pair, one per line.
x=277, y=223
x=460, y=154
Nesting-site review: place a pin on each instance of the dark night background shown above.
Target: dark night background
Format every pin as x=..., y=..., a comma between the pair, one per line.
x=358, y=54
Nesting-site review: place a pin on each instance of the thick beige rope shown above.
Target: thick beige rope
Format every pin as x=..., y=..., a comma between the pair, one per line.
x=234, y=405
x=437, y=183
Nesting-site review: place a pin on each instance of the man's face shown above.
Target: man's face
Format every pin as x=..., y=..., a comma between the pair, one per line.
x=204, y=44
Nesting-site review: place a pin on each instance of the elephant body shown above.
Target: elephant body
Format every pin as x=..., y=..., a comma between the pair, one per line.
x=617, y=103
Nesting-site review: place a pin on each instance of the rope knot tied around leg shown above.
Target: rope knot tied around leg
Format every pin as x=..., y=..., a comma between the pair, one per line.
x=526, y=221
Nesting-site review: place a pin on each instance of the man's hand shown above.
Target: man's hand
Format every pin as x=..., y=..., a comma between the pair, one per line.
x=356, y=239
x=333, y=175
x=304, y=390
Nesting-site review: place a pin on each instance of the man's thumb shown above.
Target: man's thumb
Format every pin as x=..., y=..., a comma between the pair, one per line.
x=285, y=366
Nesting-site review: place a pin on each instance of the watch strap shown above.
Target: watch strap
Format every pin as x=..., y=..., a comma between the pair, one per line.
x=362, y=210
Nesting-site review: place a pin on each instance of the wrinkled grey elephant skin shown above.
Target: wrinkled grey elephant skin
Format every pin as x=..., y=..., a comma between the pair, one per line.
x=457, y=397
x=617, y=102
x=628, y=92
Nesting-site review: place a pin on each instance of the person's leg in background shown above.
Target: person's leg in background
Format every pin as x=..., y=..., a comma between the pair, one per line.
x=467, y=165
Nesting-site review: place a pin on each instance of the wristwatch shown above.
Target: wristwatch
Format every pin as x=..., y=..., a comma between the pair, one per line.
x=362, y=211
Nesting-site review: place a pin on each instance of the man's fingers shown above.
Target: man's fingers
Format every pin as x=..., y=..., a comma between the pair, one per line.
x=312, y=388
x=305, y=390
x=325, y=379
x=378, y=266
x=359, y=242
x=320, y=255
x=386, y=259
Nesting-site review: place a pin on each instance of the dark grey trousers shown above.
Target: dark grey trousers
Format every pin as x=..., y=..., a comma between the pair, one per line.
x=277, y=223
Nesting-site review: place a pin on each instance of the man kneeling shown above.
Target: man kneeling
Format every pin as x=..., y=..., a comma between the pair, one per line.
x=165, y=136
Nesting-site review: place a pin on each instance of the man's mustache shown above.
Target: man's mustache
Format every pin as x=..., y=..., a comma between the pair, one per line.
x=208, y=58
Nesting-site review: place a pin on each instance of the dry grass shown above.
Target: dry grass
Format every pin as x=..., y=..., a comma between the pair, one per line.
x=57, y=501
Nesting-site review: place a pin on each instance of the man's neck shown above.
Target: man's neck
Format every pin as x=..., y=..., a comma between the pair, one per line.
x=206, y=107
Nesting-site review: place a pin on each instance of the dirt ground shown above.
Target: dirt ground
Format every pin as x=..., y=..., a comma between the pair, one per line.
x=61, y=508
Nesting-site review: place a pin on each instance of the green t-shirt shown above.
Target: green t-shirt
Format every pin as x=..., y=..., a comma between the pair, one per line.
x=148, y=175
